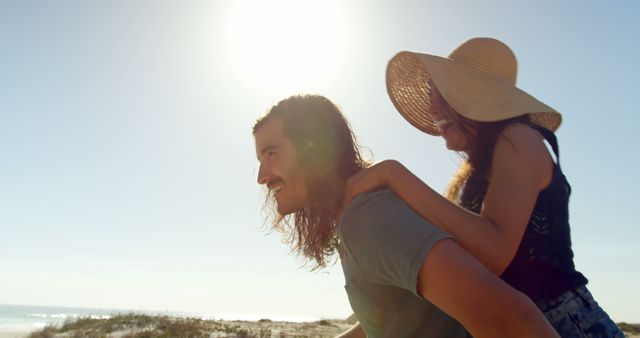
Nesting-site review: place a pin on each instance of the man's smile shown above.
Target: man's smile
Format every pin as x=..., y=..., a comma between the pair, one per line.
x=275, y=186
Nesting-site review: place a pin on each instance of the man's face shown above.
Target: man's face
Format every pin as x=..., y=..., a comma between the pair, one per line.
x=279, y=167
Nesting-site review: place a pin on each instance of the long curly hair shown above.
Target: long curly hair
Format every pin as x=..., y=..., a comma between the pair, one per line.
x=329, y=154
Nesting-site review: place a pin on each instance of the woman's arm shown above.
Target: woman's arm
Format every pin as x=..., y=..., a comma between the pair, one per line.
x=521, y=167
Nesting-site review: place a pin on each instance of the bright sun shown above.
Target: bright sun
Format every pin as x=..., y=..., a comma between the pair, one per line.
x=289, y=44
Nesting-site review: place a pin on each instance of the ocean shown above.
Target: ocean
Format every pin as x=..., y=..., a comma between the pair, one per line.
x=22, y=318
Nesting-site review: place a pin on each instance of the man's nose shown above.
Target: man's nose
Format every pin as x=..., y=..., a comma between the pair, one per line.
x=264, y=173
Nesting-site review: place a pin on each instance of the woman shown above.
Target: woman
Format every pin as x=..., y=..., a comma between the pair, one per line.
x=510, y=197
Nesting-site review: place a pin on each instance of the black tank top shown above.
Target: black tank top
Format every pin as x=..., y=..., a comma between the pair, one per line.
x=543, y=265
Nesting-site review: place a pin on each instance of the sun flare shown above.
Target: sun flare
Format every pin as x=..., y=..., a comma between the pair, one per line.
x=290, y=44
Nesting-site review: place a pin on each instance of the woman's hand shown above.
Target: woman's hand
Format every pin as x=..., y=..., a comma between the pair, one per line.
x=375, y=177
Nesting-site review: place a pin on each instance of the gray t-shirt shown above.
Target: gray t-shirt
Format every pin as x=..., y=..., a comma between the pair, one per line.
x=383, y=244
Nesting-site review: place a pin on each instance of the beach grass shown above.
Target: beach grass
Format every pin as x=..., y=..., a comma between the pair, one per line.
x=132, y=325
x=630, y=328
x=146, y=326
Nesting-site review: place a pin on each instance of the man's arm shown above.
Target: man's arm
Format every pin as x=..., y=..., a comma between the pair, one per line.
x=461, y=286
x=355, y=331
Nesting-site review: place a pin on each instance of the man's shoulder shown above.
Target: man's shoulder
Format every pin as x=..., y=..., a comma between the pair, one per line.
x=381, y=213
x=375, y=213
x=369, y=205
x=385, y=239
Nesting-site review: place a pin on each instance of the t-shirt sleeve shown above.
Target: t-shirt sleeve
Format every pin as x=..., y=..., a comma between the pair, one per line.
x=386, y=239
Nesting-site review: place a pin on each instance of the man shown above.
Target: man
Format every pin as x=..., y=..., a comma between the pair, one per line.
x=399, y=269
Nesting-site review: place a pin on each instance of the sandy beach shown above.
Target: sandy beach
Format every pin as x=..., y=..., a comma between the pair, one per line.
x=14, y=334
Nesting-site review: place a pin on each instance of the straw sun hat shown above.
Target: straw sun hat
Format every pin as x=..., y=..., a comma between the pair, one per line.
x=478, y=80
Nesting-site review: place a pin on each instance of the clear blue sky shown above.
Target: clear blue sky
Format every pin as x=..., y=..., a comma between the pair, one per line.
x=128, y=170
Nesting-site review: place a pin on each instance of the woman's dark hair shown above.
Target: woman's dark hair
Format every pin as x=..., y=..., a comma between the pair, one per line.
x=476, y=164
x=328, y=153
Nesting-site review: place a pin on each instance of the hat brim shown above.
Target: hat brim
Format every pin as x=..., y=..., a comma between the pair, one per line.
x=475, y=95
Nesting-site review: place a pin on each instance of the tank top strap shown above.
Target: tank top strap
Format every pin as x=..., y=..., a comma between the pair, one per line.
x=551, y=139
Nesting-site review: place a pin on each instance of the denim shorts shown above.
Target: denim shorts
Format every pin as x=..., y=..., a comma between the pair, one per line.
x=576, y=314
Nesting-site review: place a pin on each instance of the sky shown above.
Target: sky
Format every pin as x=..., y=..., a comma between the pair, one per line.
x=128, y=168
